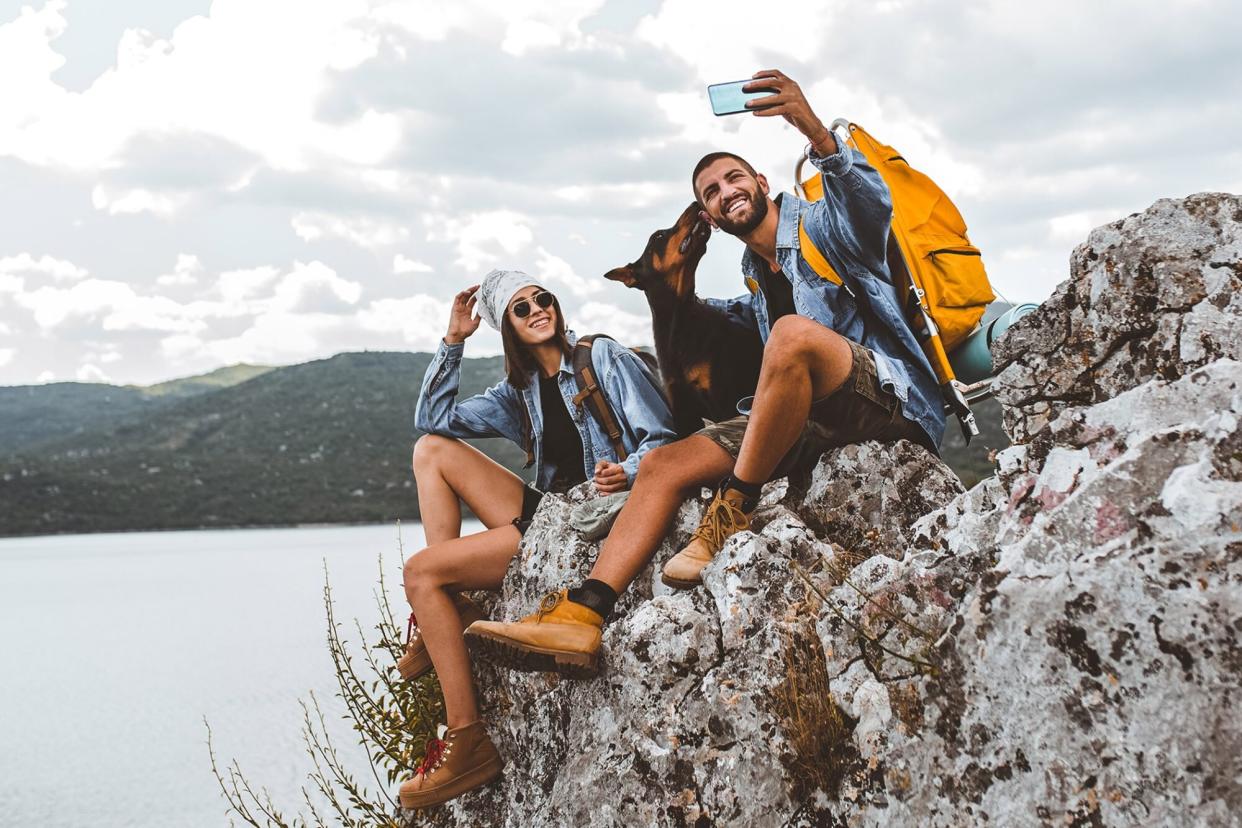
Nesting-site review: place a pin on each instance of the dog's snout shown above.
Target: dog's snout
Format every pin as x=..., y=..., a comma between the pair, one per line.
x=700, y=228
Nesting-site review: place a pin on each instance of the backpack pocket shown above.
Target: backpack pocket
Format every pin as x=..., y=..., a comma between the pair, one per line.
x=950, y=271
x=958, y=276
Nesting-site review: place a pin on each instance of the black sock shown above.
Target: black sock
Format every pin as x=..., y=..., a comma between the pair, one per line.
x=751, y=491
x=595, y=594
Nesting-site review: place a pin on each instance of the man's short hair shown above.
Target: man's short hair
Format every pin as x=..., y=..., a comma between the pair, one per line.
x=711, y=158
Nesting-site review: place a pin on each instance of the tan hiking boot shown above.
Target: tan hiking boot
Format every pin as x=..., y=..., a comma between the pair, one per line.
x=461, y=760
x=562, y=637
x=416, y=662
x=722, y=519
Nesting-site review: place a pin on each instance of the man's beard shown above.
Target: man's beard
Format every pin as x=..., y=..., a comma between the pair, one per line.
x=743, y=227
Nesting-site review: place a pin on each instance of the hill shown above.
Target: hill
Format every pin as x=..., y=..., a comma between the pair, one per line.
x=33, y=414
x=326, y=441
x=219, y=378
x=323, y=442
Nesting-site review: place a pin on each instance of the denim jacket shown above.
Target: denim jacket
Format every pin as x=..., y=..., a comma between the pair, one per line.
x=850, y=226
x=636, y=400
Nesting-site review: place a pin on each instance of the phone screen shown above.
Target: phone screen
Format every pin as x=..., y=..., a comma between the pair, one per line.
x=729, y=99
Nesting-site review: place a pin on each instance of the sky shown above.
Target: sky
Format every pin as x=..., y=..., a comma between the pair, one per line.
x=187, y=184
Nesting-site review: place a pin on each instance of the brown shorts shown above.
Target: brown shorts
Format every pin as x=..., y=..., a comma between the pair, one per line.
x=858, y=411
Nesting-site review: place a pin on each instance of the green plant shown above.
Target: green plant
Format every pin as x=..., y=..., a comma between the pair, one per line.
x=393, y=720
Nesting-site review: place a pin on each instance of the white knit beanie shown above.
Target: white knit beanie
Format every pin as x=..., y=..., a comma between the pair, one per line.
x=497, y=289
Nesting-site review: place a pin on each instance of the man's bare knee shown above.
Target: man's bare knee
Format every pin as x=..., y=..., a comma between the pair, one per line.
x=792, y=340
x=674, y=465
x=800, y=343
x=657, y=461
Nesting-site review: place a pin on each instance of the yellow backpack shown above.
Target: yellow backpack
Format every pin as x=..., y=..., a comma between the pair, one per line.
x=939, y=274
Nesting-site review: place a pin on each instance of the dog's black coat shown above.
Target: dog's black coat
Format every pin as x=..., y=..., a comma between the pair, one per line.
x=708, y=360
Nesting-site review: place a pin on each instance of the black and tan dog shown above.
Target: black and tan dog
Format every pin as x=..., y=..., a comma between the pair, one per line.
x=708, y=360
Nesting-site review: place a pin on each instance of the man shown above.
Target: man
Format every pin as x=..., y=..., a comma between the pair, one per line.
x=840, y=366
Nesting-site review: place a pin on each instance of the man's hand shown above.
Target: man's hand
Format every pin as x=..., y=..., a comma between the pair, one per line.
x=462, y=319
x=610, y=477
x=790, y=104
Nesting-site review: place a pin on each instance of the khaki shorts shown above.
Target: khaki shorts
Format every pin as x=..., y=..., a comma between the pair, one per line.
x=858, y=411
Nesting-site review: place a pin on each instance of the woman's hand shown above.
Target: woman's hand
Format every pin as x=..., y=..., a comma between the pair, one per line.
x=462, y=319
x=610, y=478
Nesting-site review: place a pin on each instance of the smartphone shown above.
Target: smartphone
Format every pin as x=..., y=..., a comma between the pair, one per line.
x=729, y=99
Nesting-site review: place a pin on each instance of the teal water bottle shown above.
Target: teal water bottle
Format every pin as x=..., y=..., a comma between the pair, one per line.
x=972, y=360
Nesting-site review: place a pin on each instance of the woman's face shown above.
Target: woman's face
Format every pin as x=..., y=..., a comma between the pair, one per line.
x=539, y=325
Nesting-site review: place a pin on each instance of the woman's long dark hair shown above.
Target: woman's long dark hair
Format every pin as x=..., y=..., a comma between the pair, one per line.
x=518, y=360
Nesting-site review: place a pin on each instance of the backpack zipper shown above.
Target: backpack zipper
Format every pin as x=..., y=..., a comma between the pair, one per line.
x=949, y=251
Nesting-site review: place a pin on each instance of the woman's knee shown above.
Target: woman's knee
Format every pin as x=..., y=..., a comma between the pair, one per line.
x=429, y=451
x=420, y=571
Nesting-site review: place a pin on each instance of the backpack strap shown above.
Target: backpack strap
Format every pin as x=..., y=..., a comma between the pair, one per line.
x=592, y=396
x=814, y=257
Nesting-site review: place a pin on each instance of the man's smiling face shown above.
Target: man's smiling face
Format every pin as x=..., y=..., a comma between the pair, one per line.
x=734, y=198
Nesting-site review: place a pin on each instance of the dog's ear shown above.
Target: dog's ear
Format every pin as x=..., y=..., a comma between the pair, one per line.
x=623, y=274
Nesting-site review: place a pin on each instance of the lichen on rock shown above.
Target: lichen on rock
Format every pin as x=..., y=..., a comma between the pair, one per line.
x=1060, y=644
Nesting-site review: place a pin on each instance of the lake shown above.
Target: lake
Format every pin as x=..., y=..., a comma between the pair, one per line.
x=117, y=646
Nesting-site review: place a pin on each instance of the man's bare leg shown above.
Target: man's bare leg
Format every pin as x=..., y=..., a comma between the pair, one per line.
x=667, y=475
x=803, y=361
x=565, y=634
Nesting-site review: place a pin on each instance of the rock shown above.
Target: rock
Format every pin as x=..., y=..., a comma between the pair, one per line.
x=1086, y=677
x=1155, y=295
x=1058, y=645
x=685, y=725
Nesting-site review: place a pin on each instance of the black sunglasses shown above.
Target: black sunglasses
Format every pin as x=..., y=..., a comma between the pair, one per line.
x=521, y=308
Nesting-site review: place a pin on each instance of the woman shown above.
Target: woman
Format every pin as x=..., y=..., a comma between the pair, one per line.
x=533, y=407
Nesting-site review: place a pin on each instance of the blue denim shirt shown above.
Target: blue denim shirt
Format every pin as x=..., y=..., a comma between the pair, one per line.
x=632, y=392
x=850, y=226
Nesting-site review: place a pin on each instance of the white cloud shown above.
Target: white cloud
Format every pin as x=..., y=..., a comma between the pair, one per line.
x=482, y=238
x=631, y=329
x=519, y=25
x=46, y=376
x=59, y=269
x=6, y=355
x=313, y=287
x=27, y=61
x=236, y=286
x=92, y=373
x=103, y=353
x=403, y=264
x=134, y=200
x=1073, y=228
x=250, y=73
x=369, y=127
x=556, y=271
x=261, y=293
x=420, y=320
x=365, y=232
x=185, y=272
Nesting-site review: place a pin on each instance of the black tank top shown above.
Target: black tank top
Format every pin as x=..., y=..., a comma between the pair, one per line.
x=562, y=445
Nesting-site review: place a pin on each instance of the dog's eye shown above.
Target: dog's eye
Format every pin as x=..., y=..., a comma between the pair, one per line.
x=658, y=235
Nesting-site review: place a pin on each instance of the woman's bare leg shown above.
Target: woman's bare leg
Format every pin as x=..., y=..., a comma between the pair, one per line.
x=449, y=471
x=476, y=561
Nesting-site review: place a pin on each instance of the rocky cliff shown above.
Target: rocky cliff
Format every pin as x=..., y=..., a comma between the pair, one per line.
x=1058, y=645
